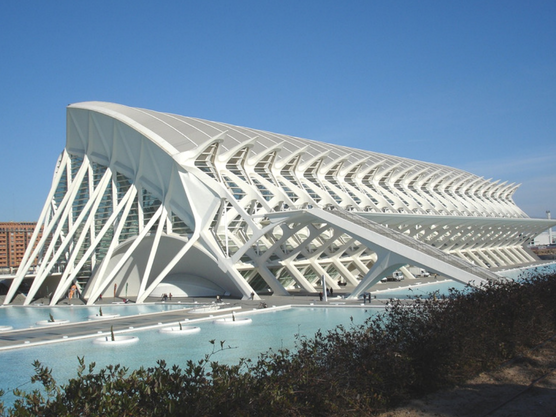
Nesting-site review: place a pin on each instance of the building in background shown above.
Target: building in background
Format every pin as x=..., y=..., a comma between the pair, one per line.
x=544, y=239
x=14, y=239
x=144, y=203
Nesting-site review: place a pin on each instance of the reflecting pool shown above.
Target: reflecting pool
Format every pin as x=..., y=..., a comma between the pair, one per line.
x=520, y=273
x=269, y=330
x=20, y=317
x=443, y=287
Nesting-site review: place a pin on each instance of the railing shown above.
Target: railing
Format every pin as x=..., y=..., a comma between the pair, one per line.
x=415, y=244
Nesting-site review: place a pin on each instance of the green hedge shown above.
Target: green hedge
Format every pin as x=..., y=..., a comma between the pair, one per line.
x=405, y=352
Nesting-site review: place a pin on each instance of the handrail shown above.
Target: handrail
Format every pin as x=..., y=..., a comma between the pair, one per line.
x=415, y=244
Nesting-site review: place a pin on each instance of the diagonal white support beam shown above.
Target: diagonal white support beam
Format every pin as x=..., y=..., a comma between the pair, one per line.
x=59, y=219
x=152, y=252
x=360, y=265
x=405, y=249
x=387, y=263
x=330, y=283
x=168, y=268
x=271, y=280
x=477, y=260
x=27, y=258
x=88, y=210
x=101, y=284
x=102, y=232
x=298, y=276
x=344, y=272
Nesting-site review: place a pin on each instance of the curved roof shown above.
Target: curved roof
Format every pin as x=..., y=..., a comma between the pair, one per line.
x=185, y=138
x=184, y=134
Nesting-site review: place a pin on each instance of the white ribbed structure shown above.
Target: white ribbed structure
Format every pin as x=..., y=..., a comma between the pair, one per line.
x=144, y=203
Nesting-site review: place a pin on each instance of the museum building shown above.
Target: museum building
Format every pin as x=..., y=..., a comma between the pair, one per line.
x=144, y=203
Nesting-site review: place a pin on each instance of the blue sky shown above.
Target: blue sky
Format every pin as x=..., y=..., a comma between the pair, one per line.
x=468, y=84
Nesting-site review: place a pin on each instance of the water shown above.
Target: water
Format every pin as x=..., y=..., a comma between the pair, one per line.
x=23, y=317
x=273, y=330
x=425, y=290
x=520, y=273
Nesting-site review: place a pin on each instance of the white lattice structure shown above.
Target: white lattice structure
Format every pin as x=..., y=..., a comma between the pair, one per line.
x=144, y=203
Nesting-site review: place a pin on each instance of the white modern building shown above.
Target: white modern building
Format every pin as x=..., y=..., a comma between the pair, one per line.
x=144, y=203
x=543, y=239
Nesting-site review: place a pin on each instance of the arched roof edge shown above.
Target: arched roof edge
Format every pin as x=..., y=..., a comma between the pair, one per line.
x=107, y=109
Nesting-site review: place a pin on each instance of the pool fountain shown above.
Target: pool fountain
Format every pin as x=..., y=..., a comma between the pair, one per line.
x=180, y=330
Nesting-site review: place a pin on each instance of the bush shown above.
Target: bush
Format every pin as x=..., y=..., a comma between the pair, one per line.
x=406, y=352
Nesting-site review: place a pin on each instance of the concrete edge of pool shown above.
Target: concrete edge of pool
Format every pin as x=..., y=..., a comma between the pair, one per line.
x=73, y=331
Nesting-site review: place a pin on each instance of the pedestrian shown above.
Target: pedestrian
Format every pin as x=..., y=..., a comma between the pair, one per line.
x=73, y=291
x=320, y=295
x=369, y=298
x=331, y=292
x=170, y=296
x=252, y=295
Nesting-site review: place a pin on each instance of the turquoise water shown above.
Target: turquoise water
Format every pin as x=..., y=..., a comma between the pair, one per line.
x=273, y=330
x=443, y=287
x=520, y=273
x=419, y=290
x=23, y=317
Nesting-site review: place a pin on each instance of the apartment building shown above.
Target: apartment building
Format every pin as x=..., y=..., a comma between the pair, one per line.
x=14, y=239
